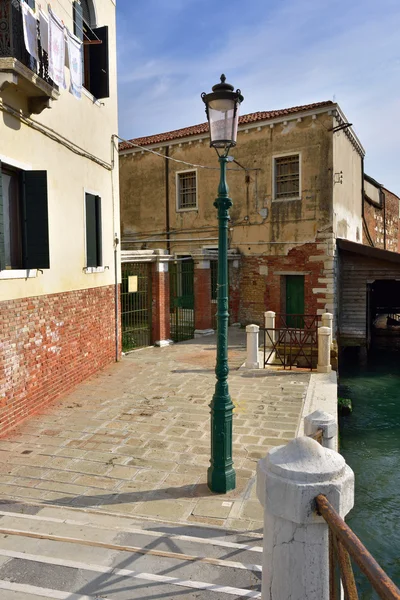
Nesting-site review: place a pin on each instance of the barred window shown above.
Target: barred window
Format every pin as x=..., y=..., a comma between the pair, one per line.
x=287, y=176
x=187, y=193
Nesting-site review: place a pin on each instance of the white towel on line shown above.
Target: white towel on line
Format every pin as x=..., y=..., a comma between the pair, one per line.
x=30, y=30
x=75, y=64
x=44, y=30
x=56, y=50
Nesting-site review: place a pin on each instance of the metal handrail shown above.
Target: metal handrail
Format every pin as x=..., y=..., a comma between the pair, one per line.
x=346, y=545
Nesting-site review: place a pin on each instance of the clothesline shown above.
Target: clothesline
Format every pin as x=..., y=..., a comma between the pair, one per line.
x=98, y=40
x=54, y=37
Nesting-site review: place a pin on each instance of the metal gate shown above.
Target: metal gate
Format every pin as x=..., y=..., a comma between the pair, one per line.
x=182, y=299
x=136, y=305
x=293, y=342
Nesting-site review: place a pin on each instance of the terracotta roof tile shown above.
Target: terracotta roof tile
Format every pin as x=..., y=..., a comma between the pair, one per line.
x=203, y=127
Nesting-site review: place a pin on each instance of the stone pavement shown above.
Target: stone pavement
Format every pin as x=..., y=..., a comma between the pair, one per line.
x=134, y=439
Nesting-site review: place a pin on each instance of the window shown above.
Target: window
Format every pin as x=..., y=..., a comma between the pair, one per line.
x=95, y=49
x=186, y=190
x=24, y=234
x=287, y=177
x=93, y=231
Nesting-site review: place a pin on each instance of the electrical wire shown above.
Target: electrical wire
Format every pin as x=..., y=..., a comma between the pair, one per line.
x=52, y=134
x=183, y=162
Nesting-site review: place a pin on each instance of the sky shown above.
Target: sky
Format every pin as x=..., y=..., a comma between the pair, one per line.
x=280, y=53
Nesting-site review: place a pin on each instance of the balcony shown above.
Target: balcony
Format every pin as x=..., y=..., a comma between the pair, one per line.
x=18, y=70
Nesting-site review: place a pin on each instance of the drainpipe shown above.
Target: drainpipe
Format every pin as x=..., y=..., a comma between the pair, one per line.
x=116, y=242
x=383, y=196
x=362, y=187
x=167, y=199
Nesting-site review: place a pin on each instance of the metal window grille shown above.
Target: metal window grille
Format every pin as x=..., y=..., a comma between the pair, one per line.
x=187, y=190
x=287, y=176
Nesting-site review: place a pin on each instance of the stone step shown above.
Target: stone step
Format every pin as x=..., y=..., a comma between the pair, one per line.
x=64, y=553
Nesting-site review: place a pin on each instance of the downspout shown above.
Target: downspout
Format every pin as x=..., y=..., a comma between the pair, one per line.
x=116, y=242
x=167, y=198
x=362, y=187
x=362, y=206
x=383, y=196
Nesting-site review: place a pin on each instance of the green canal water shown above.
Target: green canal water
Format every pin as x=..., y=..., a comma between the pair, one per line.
x=370, y=443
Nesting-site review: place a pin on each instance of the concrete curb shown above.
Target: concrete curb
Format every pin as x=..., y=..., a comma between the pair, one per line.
x=321, y=395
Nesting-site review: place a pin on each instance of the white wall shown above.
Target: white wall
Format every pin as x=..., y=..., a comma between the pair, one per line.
x=347, y=196
x=89, y=125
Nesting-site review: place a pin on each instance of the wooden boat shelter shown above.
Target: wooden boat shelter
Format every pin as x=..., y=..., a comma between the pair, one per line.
x=368, y=293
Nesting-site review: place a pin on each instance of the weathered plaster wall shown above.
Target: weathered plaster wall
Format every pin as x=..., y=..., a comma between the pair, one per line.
x=257, y=221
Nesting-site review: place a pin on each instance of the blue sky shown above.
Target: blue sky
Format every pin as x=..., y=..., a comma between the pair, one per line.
x=280, y=53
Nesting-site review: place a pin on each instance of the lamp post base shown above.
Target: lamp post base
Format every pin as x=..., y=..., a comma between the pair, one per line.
x=221, y=481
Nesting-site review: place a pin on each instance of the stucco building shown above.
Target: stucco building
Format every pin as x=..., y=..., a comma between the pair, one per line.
x=59, y=211
x=297, y=185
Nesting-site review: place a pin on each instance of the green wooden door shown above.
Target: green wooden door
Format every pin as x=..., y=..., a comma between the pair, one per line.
x=294, y=300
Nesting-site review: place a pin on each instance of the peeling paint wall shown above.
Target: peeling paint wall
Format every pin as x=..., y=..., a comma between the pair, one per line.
x=256, y=219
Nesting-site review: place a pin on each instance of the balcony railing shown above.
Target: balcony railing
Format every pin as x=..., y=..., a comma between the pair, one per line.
x=17, y=66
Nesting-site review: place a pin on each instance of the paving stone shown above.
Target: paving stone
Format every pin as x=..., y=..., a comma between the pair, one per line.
x=93, y=481
x=166, y=509
x=135, y=438
x=213, y=508
x=253, y=510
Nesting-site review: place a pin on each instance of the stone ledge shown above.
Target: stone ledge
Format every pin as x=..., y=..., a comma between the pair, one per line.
x=321, y=395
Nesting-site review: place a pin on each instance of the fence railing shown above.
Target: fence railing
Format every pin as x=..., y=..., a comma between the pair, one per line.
x=290, y=340
x=344, y=545
x=12, y=43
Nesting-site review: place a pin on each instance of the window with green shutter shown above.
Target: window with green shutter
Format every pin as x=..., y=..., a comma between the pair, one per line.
x=93, y=231
x=24, y=235
x=95, y=50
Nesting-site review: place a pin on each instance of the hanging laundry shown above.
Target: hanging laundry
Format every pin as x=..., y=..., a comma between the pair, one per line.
x=56, y=50
x=44, y=30
x=75, y=64
x=30, y=30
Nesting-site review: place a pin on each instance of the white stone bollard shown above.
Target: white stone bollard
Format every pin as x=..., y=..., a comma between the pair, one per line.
x=324, y=350
x=269, y=323
x=296, y=539
x=327, y=320
x=252, y=361
x=322, y=420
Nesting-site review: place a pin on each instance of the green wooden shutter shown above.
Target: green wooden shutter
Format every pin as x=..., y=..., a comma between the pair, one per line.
x=36, y=220
x=2, y=240
x=98, y=65
x=294, y=299
x=78, y=20
x=99, y=237
x=91, y=231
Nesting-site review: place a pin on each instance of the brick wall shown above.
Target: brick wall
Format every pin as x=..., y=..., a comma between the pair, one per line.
x=50, y=343
x=260, y=281
x=382, y=221
x=160, y=304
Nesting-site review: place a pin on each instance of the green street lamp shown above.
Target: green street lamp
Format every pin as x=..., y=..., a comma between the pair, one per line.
x=222, y=109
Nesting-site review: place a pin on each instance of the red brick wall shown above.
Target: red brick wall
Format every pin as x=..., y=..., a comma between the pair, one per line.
x=160, y=307
x=202, y=298
x=380, y=221
x=261, y=291
x=50, y=343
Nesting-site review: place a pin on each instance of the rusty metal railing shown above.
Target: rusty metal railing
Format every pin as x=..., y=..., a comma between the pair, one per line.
x=344, y=545
x=293, y=339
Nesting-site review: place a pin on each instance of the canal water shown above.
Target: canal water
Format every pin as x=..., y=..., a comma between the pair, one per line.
x=370, y=443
